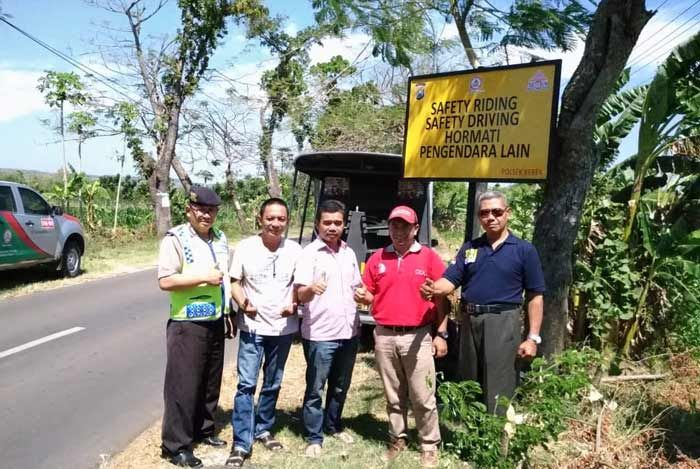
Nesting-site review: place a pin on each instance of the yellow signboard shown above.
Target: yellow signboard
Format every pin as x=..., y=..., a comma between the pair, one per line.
x=492, y=124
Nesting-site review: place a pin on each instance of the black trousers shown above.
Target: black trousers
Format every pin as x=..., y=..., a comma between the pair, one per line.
x=489, y=351
x=192, y=381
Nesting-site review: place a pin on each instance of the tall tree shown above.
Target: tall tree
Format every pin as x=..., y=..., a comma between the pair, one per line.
x=613, y=33
x=82, y=124
x=284, y=84
x=125, y=116
x=59, y=88
x=402, y=28
x=167, y=78
x=222, y=132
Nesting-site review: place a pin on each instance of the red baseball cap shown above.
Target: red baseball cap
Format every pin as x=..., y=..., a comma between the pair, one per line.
x=405, y=213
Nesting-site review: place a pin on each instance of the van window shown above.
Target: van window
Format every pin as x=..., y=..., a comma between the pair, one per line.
x=7, y=202
x=33, y=203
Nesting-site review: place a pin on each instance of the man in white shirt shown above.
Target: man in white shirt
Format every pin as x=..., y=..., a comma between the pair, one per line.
x=262, y=274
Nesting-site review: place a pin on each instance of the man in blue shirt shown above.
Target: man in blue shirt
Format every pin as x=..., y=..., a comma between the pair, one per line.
x=493, y=271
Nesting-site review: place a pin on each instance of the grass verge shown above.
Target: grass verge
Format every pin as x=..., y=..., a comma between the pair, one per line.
x=104, y=256
x=364, y=417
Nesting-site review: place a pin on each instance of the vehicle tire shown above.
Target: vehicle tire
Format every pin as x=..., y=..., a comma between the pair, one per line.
x=70, y=260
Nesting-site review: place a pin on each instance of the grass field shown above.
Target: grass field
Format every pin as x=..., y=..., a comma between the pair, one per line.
x=364, y=416
x=103, y=257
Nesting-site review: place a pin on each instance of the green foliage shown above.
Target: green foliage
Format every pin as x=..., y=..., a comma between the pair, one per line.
x=82, y=124
x=401, y=30
x=670, y=113
x=59, y=87
x=356, y=120
x=203, y=24
x=524, y=200
x=616, y=118
x=449, y=205
x=550, y=393
x=397, y=27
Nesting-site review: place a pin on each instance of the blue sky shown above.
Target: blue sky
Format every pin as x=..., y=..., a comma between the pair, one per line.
x=71, y=25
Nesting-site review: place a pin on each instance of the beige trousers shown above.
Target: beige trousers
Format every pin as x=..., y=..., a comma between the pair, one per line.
x=406, y=367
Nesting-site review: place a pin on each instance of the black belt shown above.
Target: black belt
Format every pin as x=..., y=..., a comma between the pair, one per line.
x=472, y=308
x=403, y=329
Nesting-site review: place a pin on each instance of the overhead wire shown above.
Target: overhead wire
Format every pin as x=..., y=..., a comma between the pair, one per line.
x=664, y=51
x=97, y=76
x=645, y=51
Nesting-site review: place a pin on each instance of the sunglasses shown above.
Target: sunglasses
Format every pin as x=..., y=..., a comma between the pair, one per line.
x=496, y=212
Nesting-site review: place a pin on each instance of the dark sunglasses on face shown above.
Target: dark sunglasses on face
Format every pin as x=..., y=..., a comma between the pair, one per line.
x=497, y=212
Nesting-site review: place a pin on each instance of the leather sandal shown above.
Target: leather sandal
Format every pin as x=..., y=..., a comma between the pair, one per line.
x=270, y=443
x=236, y=458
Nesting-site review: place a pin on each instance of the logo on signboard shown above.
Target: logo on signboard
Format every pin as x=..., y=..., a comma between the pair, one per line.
x=420, y=91
x=538, y=82
x=7, y=236
x=476, y=85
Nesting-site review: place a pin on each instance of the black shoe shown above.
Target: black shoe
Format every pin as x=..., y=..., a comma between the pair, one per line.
x=183, y=458
x=236, y=458
x=212, y=441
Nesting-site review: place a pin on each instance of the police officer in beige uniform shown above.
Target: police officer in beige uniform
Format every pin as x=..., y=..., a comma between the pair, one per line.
x=191, y=266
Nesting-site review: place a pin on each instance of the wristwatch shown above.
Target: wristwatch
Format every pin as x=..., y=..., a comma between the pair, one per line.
x=535, y=338
x=442, y=334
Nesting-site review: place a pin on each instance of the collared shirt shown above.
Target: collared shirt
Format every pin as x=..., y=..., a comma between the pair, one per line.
x=332, y=315
x=170, y=258
x=267, y=280
x=489, y=276
x=395, y=283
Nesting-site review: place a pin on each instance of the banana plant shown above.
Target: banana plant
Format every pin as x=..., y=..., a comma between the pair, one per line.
x=671, y=113
x=670, y=248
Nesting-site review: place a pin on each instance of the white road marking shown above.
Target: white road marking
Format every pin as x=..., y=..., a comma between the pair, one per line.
x=43, y=340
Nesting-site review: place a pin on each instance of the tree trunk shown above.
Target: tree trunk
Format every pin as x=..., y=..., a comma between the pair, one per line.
x=614, y=31
x=231, y=190
x=158, y=185
x=182, y=174
x=65, y=162
x=160, y=180
x=268, y=162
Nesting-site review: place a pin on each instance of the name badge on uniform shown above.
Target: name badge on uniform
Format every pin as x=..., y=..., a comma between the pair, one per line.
x=470, y=256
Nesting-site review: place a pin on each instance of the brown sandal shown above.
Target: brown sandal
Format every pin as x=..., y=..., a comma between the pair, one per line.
x=270, y=443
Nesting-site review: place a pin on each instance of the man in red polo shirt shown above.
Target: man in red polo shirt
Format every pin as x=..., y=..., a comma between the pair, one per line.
x=404, y=344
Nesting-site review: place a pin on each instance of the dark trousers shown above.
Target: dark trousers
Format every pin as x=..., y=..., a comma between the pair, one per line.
x=331, y=362
x=488, y=349
x=192, y=381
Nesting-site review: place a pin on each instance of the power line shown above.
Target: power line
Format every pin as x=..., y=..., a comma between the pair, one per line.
x=656, y=42
x=665, y=45
x=666, y=49
x=97, y=76
x=662, y=27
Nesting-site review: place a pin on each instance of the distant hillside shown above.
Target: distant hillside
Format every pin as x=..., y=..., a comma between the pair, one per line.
x=33, y=174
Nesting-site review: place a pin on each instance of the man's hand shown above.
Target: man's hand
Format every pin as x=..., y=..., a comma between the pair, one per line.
x=527, y=349
x=427, y=289
x=231, y=328
x=360, y=294
x=289, y=310
x=213, y=277
x=439, y=347
x=249, y=310
x=319, y=287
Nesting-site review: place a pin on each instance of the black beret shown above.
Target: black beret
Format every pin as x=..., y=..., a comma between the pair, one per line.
x=203, y=196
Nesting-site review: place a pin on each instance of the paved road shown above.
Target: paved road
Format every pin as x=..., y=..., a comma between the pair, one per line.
x=68, y=400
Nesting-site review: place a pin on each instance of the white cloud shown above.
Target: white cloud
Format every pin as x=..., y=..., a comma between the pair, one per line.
x=352, y=47
x=18, y=94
